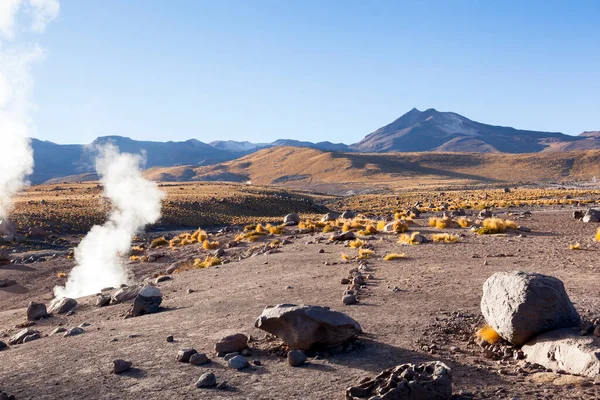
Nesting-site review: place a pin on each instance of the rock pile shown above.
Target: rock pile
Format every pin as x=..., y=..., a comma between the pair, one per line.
x=431, y=381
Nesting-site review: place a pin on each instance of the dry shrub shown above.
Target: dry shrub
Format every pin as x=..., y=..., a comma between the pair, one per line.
x=345, y=257
x=199, y=236
x=576, y=246
x=492, y=226
x=369, y=230
x=328, y=229
x=260, y=229
x=274, y=229
x=274, y=243
x=208, y=245
x=463, y=222
x=439, y=223
x=511, y=224
x=61, y=275
x=355, y=244
x=488, y=334
x=250, y=227
x=400, y=226
x=444, y=237
x=134, y=258
x=408, y=239
x=598, y=235
x=209, y=261
x=394, y=256
x=381, y=225
x=365, y=253
x=158, y=242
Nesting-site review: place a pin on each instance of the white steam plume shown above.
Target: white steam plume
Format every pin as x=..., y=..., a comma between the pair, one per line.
x=136, y=202
x=16, y=155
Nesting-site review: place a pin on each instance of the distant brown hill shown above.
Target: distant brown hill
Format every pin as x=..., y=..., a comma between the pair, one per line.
x=336, y=172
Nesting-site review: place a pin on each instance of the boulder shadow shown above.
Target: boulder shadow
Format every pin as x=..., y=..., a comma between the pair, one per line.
x=17, y=267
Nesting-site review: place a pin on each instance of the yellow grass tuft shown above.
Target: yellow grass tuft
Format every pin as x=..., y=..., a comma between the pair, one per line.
x=158, y=242
x=598, y=235
x=199, y=236
x=365, y=253
x=369, y=230
x=381, y=225
x=488, y=334
x=134, y=258
x=492, y=226
x=575, y=246
x=345, y=257
x=328, y=229
x=207, y=245
x=355, y=244
x=260, y=229
x=274, y=229
x=208, y=262
x=463, y=222
x=394, y=256
x=511, y=224
x=400, y=226
x=439, y=223
x=444, y=237
x=61, y=275
x=408, y=239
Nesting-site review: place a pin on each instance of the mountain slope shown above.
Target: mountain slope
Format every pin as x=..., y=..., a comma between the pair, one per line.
x=432, y=130
x=337, y=172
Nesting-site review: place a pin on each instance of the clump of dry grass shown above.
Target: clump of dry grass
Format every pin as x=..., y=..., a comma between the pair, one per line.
x=463, y=222
x=369, y=230
x=328, y=229
x=439, y=223
x=199, y=236
x=61, y=275
x=365, y=253
x=208, y=245
x=598, y=235
x=158, y=242
x=488, y=334
x=134, y=258
x=274, y=229
x=355, y=244
x=408, y=239
x=209, y=261
x=400, y=226
x=394, y=256
x=381, y=225
x=576, y=246
x=444, y=237
x=496, y=225
x=345, y=257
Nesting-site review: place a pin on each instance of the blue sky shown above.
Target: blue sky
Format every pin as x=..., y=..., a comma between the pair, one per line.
x=312, y=70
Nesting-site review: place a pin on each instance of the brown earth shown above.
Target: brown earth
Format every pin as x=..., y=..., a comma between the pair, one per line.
x=340, y=172
x=431, y=296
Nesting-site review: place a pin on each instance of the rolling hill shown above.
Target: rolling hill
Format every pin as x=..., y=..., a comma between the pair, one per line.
x=339, y=172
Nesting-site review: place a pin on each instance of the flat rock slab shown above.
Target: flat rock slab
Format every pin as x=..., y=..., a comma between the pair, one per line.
x=566, y=350
x=305, y=327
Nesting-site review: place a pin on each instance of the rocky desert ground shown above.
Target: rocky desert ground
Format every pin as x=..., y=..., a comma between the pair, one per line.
x=417, y=297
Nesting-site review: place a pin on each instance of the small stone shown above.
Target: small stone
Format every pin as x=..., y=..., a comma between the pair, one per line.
x=60, y=329
x=345, y=281
x=597, y=331
x=296, y=358
x=256, y=362
x=229, y=356
x=222, y=385
x=31, y=338
x=184, y=355
x=321, y=251
x=3, y=346
x=120, y=366
x=170, y=339
x=232, y=343
x=73, y=332
x=102, y=300
x=198, y=359
x=207, y=380
x=162, y=278
x=349, y=299
x=83, y=324
x=238, y=362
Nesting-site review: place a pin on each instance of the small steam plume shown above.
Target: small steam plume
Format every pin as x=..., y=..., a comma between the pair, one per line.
x=136, y=202
x=16, y=59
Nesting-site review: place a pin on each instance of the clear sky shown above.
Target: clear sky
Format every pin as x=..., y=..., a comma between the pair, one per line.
x=312, y=70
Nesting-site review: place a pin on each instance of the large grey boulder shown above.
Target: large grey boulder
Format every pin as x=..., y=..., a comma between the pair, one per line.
x=330, y=216
x=125, y=293
x=305, y=327
x=521, y=305
x=291, y=219
x=591, y=215
x=62, y=305
x=565, y=349
x=36, y=311
x=428, y=381
x=18, y=337
x=348, y=214
x=146, y=302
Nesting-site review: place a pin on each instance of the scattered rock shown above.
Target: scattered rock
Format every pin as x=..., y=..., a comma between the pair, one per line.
x=344, y=236
x=303, y=327
x=291, y=219
x=523, y=229
x=74, y=332
x=207, y=380
x=577, y=214
x=485, y=213
x=296, y=358
x=330, y=216
x=57, y=330
x=62, y=305
x=170, y=339
x=349, y=299
x=184, y=355
x=348, y=214
x=36, y=311
x=232, y=343
x=229, y=356
x=566, y=350
x=198, y=359
x=182, y=264
x=591, y=215
x=120, y=366
x=146, y=302
x=125, y=293
x=3, y=346
x=428, y=381
x=520, y=305
x=219, y=253
x=162, y=278
x=32, y=337
x=222, y=385
x=19, y=336
x=102, y=300
x=237, y=362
